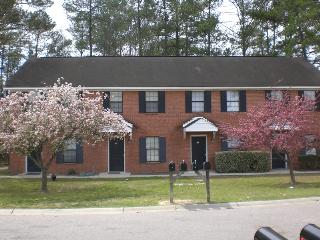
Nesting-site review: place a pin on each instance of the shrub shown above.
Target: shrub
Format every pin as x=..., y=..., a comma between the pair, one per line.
x=71, y=172
x=242, y=161
x=309, y=162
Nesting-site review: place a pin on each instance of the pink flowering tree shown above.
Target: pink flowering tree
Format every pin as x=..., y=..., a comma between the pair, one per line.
x=280, y=125
x=39, y=124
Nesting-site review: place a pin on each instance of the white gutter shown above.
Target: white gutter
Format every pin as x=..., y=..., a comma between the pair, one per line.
x=174, y=88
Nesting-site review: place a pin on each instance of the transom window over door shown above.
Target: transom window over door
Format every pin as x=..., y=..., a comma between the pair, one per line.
x=233, y=101
x=197, y=101
x=152, y=102
x=152, y=148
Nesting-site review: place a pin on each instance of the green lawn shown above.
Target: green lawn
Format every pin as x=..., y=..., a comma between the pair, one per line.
x=73, y=193
x=4, y=171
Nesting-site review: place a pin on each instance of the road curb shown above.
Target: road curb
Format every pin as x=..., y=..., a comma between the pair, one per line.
x=167, y=208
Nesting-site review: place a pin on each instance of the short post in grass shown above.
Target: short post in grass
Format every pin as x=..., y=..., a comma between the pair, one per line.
x=206, y=167
x=172, y=169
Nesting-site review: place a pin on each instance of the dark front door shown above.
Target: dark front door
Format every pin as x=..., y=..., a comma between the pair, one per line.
x=199, y=151
x=32, y=167
x=278, y=160
x=116, y=155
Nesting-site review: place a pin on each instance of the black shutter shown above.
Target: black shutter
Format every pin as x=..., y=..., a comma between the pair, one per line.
x=106, y=100
x=79, y=153
x=300, y=93
x=143, y=151
x=188, y=99
x=207, y=101
x=243, y=101
x=162, y=102
x=267, y=94
x=60, y=158
x=162, y=145
x=142, y=102
x=223, y=101
x=317, y=100
x=224, y=145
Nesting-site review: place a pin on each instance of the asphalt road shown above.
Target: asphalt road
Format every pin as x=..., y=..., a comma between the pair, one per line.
x=187, y=223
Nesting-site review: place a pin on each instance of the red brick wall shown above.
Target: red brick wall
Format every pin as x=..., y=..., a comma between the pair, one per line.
x=168, y=125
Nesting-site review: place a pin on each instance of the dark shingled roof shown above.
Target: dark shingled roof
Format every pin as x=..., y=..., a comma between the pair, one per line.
x=135, y=72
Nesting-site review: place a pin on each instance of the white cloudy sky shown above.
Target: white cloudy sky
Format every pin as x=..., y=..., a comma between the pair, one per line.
x=228, y=16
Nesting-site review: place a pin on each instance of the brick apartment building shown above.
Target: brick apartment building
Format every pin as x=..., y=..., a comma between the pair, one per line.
x=173, y=105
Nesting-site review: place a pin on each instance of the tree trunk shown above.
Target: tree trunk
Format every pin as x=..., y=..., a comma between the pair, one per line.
x=90, y=27
x=139, y=30
x=44, y=180
x=290, y=165
x=209, y=31
x=166, y=19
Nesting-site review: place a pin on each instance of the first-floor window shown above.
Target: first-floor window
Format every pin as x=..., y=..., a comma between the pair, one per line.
x=229, y=144
x=152, y=149
x=310, y=148
x=70, y=152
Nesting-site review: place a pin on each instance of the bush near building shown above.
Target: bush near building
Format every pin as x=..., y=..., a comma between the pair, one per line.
x=242, y=161
x=309, y=162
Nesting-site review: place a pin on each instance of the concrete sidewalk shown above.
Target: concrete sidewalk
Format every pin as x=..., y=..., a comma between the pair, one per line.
x=164, y=208
x=186, y=174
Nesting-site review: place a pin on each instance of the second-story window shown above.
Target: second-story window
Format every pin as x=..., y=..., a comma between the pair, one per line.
x=113, y=101
x=116, y=102
x=274, y=95
x=152, y=102
x=233, y=101
x=197, y=101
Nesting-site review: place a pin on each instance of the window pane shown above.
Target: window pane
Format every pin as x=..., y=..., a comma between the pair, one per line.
x=70, y=145
x=152, y=96
x=197, y=106
x=152, y=107
x=70, y=156
x=198, y=96
x=152, y=142
x=152, y=147
x=276, y=95
x=310, y=95
x=116, y=106
x=115, y=96
x=232, y=143
x=232, y=96
x=233, y=106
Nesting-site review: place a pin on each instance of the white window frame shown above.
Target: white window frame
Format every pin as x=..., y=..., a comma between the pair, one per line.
x=152, y=148
x=276, y=95
x=152, y=98
x=70, y=146
x=231, y=98
x=197, y=102
x=116, y=100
